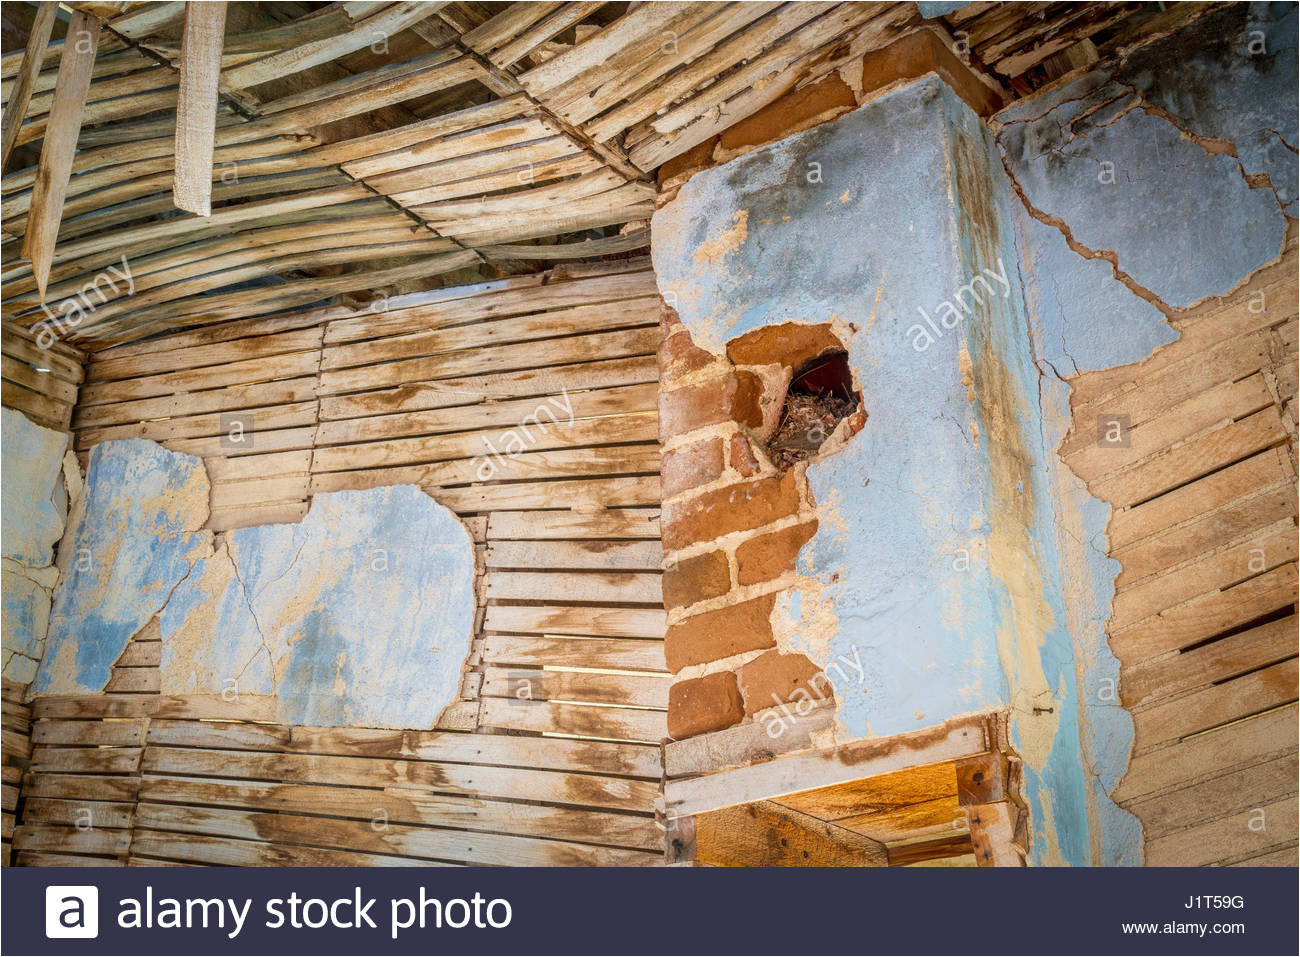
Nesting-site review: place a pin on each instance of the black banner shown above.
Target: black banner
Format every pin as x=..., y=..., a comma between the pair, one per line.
x=649, y=911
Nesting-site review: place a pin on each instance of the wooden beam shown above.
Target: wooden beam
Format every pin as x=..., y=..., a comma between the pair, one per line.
x=33, y=58
x=767, y=834
x=992, y=833
x=806, y=770
x=60, y=144
x=196, y=106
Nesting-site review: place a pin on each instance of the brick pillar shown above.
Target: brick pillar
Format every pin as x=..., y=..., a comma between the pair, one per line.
x=732, y=524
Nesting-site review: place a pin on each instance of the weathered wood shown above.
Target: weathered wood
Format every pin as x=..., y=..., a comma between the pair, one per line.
x=20, y=93
x=769, y=834
x=808, y=770
x=196, y=108
x=60, y=145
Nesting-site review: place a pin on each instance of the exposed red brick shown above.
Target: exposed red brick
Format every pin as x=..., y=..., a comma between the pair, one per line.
x=695, y=406
x=696, y=579
x=714, y=635
x=691, y=466
x=769, y=556
x=791, y=344
x=790, y=113
x=747, y=402
x=734, y=508
x=774, y=678
x=679, y=357
x=700, y=705
x=743, y=459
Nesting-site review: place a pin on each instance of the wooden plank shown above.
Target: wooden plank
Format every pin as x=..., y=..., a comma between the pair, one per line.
x=768, y=834
x=205, y=849
x=1192, y=460
x=992, y=834
x=523, y=416
x=1216, y=705
x=1237, y=836
x=134, y=681
x=1267, y=548
x=553, y=787
x=1201, y=497
x=1218, y=661
x=60, y=144
x=409, y=806
x=1183, y=764
x=560, y=620
x=38, y=37
x=588, y=721
x=1218, y=797
x=71, y=840
x=388, y=839
x=607, y=555
x=584, y=586
x=196, y=106
x=198, y=706
x=518, y=684
x=602, y=653
x=122, y=733
x=619, y=491
x=807, y=770
x=80, y=814
x=560, y=524
x=468, y=390
x=1208, y=532
x=84, y=787
x=1207, y=616
x=627, y=760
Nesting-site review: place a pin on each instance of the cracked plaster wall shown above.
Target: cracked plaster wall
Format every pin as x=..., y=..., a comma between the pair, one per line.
x=361, y=614
x=35, y=511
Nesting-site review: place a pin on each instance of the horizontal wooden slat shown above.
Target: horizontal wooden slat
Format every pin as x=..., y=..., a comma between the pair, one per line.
x=588, y=721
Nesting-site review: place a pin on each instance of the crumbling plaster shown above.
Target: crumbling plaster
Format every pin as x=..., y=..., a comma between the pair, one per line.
x=361, y=614
x=35, y=511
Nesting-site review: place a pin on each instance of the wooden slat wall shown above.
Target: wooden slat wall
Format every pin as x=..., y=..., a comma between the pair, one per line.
x=567, y=683
x=1204, y=616
x=40, y=383
x=14, y=755
x=149, y=780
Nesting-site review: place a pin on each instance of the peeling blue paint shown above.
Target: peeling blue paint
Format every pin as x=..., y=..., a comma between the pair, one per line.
x=360, y=615
x=137, y=531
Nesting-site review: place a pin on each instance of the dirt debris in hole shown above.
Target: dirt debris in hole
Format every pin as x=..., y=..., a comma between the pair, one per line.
x=807, y=421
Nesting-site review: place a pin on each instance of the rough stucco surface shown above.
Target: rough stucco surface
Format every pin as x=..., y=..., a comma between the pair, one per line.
x=935, y=556
x=35, y=510
x=133, y=536
x=361, y=614
x=1112, y=155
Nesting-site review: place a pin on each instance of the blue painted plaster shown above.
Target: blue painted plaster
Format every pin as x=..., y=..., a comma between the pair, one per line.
x=1232, y=76
x=931, y=10
x=361, y=614
x=1107, y=154
x=137, y=530
x=935, y=559
x=33, y=503
x=34, y=511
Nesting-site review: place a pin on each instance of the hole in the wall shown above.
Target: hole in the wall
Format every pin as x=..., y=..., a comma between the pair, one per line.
x=819, y=397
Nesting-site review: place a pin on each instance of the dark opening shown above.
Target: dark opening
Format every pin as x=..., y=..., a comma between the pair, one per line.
x=820, y=395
